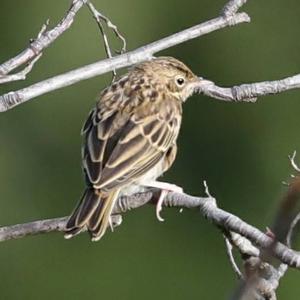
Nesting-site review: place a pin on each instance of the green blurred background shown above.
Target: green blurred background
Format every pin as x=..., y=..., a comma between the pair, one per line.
x=240, y=149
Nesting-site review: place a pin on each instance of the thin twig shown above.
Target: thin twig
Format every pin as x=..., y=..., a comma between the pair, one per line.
x=292, y=161
x=232, y=7
x=99, y=18
x=291, y=230
x=231, y=258
x=22, y=74
x=43, y=40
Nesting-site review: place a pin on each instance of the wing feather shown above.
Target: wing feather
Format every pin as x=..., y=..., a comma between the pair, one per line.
x=122, y=146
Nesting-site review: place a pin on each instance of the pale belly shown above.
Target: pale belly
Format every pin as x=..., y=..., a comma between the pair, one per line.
x=143, y=182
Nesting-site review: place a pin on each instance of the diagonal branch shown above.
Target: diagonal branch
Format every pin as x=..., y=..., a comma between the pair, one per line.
x=263, y=274
x=207, y=206
x=43, y=40
x=15, y=98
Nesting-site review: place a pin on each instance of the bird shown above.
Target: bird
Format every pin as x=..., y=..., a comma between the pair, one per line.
x=130, y=140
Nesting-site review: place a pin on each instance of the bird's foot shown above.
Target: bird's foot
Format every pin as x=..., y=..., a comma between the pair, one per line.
x=165, y=189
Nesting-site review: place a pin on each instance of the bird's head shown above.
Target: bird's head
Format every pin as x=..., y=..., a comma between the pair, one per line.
x=169, y=75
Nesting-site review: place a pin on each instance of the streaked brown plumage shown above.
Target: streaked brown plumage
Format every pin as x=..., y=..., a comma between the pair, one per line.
x=130, y=138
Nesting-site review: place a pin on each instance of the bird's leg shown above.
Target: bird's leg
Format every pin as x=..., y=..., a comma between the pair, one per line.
x=165, y=189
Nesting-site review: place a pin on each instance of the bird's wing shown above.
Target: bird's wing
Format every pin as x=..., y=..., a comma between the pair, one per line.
x=120, y=147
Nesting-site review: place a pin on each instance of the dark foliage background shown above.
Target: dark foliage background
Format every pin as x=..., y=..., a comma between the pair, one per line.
x=240, y=149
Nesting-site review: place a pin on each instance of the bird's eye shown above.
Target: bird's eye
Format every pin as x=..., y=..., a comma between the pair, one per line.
x=180, y=81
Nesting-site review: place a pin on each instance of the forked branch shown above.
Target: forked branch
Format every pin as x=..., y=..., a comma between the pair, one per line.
x=208, y=209
x=12, y=99
x=31, y=54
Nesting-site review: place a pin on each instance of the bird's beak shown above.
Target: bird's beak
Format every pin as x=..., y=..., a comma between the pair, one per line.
x=201, y=84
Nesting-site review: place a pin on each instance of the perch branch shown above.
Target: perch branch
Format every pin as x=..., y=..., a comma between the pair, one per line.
x=58, y=224
x=207, y=207
x=33, y=52
x=249, y=92
x=15, y=98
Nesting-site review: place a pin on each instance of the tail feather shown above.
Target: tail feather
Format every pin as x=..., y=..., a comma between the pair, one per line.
x=101, y=217
x=95, y=218
x=72, y=232
x=87, y=207
x=92, y=213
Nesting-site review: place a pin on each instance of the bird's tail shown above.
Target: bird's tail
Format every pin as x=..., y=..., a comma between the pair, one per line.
x=92, y=213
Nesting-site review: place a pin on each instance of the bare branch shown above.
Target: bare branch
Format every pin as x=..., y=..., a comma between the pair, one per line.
x=249, y=92
x=99, y=18
x=234, y=265
x=232, y=7
x=244, y=92
x=38, y=227
x=43, y=40
x=207, y=207
x=21, y=230
x=15, y=98
x=22, y=74
x=244, y=246
x=292, y=161
x=281, y=270
x=263, y=274
x=105, y=39
x=58, y=224
x=291, y=230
